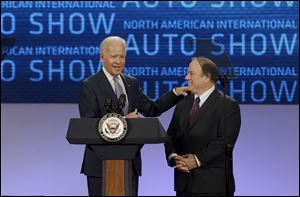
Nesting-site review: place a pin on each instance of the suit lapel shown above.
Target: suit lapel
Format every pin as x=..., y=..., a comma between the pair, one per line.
x=128, y=85
x=187, y=110
x=104, y=82
x=211, y=100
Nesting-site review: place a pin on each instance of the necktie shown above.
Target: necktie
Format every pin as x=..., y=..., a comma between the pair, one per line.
x=119, y=91
x=194, y=111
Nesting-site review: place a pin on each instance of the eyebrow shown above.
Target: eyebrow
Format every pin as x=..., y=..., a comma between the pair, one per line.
x=192, y=72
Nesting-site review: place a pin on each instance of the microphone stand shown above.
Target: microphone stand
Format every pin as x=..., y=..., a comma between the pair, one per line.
x=118, y=109
x=108, y=105
x=121, y=104
x=228, y=147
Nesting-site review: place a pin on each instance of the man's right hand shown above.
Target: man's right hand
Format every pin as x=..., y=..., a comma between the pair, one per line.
x=133, y=114
x=180, y=164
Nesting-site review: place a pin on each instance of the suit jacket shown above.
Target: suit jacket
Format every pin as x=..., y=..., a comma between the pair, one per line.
x=204, y=138
x=93, y=92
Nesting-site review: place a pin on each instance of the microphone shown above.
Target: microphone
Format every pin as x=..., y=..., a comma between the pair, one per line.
x=108, y=105
x=121, y=103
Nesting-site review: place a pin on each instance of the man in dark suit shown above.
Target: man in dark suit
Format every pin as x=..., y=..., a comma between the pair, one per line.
x=108, y=83
x=197, y=137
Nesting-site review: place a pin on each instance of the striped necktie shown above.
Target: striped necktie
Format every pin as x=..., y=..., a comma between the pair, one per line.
x=194, y=110
x=119, y=91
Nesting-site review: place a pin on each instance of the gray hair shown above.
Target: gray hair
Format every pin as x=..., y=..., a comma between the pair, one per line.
x=103, y=44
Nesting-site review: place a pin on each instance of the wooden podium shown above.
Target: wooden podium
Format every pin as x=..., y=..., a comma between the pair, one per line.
x=117, y=156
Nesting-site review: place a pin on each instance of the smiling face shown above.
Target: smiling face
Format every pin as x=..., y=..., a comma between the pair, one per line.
x=198, y=82
x=196, y=79
x=114, y=56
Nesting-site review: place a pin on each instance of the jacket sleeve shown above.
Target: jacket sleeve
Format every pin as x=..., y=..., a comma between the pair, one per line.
x=170, y=143
x=88, y=106
x=216, y=147
x=152, y=108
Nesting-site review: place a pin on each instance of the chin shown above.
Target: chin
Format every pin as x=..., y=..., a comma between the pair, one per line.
x=192, y=91
x=117, y=73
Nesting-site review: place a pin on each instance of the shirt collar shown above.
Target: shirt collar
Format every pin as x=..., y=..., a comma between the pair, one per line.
x=203, y=97
x=108, y=75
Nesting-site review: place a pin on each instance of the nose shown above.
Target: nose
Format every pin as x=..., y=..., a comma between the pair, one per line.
x=187, y=77
x=118, y=60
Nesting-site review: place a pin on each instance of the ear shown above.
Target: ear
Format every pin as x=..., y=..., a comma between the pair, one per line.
x=210, y=76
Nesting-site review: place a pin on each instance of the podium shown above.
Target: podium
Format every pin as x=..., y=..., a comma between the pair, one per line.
x=116, y=156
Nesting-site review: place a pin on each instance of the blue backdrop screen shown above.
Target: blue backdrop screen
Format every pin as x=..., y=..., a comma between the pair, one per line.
x=57, y=46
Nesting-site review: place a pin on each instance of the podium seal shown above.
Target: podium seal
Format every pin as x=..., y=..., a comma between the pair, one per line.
x=112, y=127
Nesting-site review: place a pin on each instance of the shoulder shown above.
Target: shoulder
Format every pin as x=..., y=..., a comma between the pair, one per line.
x=92, y=78
x=128, y=77
x=131, y=81
x=92, y=81
x=228, y=99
